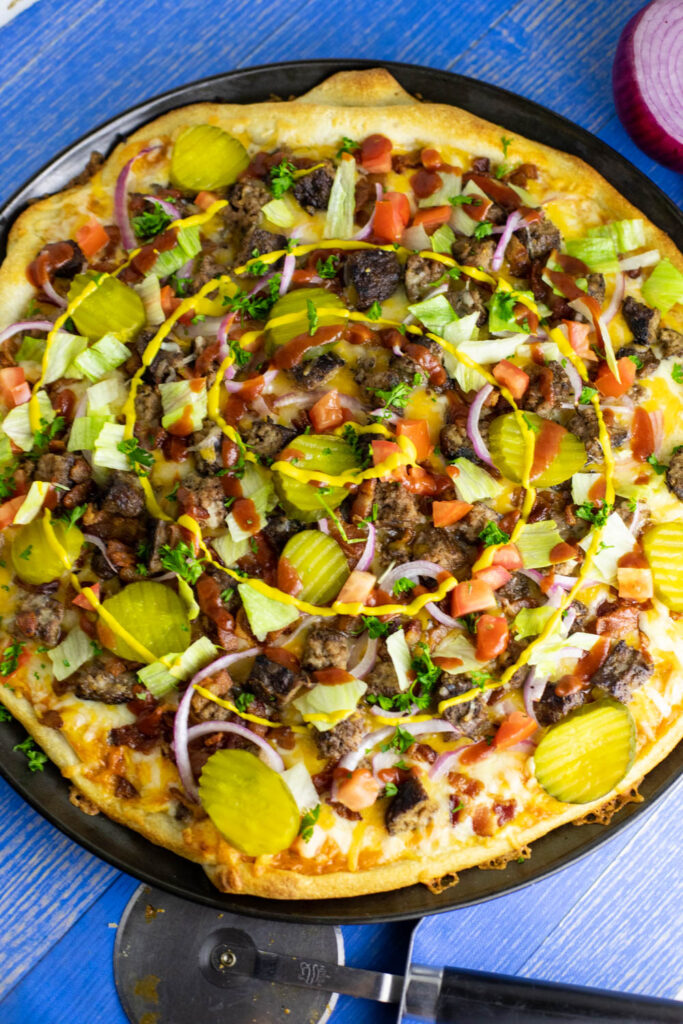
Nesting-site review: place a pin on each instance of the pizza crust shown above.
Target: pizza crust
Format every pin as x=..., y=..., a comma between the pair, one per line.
x=350, y=103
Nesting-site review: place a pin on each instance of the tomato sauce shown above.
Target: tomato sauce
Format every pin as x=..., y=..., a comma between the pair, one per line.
x=428, y=362
x=585, y=668
x=292, y=353
x=425, y=183
x=332, y=676
x=477, y=752
x=546, y=447
x=246, y=516
x=642, y=436
x=288, y=579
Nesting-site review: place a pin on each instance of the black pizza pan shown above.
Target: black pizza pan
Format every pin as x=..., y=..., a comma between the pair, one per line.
x=48, y=792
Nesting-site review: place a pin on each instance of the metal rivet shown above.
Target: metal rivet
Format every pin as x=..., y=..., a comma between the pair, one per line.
x=227, y=958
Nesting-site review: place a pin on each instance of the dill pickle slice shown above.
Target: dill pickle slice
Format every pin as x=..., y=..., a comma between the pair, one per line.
x=323, y=453
x=248, y=802
x=205, y=158
x=153, y=614
x=297, y=302
x=507, y=447
x=319, y=563
x=114, y=308
x=34, y=559
x=586, y=755
x=663, y=546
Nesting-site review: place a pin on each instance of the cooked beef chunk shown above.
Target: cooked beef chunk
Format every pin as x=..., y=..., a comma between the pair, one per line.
x=341, y=739
x=207, y=450
x=642, y=320
x=130, y=530
x=674, y=474
x=325, y=647
x=109, y=681
x=148, y=413
x=584, y=423
x=420, y=276
x=271, y=682
x=548, y=390
x=540, y=237
x=312, y=190
x=519, y=592
x=447, y=548
x=595, y=286
x=39, y=617
x=518, y=258
x=163, y=367
x=56, y=259
x=582, y=616
x=206, y=267
x=556, y=503
x=454, y=442
x=205, y=496
x=410, y=809
x=204, y=710
x=467, y=300
x=267, y=439
x=124, y=496
x=95, y=161
x=279, y=528
x=469, y=528
x=395, y=505
x=550, y=708
x=65, y=470
x=124, y=559
x=245, y=199
x=617, y=618
x=645, y=359
x=400, y=370
x=623, y=671
x=165, y=534
x=470, y=717
x=670, y=342
x=474, y=252
x=375, y=274
x=382, y=678
x=260, y=241
x=314, y=373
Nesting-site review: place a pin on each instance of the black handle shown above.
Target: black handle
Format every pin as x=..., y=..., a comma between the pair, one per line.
x=474, y=997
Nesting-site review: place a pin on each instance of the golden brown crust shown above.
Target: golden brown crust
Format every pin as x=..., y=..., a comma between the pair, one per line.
x=355, y=104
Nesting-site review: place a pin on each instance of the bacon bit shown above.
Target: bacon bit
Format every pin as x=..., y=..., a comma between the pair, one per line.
x=562, y=552
x=504, y=812
x=282, y=657
x=174, y=448
x=618, y=618
x=483, y=823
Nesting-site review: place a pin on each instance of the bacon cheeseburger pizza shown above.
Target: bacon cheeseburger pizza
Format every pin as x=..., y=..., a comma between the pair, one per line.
x=342, y=479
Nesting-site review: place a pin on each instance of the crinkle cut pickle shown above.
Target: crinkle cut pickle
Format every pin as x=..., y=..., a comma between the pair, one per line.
x=409, y=610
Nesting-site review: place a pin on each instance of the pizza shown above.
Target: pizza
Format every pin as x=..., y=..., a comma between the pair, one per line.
x=342, y=480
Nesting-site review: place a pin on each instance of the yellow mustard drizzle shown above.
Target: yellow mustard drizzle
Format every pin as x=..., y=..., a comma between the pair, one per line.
x=244, y=714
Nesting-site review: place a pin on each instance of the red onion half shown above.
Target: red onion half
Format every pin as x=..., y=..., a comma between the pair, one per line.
x=473, y=432
x=365, y=560
x=647, y=78
x=270, y=756
x=367, y=660
x=167, y=207
x=533, y=690
x=25, y=325
x=511, y=224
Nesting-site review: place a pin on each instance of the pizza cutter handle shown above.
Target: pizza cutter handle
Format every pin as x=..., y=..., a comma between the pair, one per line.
x=474, y=997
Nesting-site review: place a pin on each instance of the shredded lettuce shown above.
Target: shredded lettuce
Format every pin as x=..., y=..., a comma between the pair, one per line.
x=442, y=239
x=449, y=187
x=84, y=432
x=401, y=658
x=301, y=786
x=177, y=397
x=149, y=291
x=616, y=540
x=501, y=310
x=435, y=313
x=33, y=502
x=187, y=246
x=625, y=234
x=17, y=424
x=63, y=351
x=265, y=614
x=599, y=253
x=547, y=658
x=582, y=485
x=459, y=329
x=473, y=483
x=74, y=651
x=460, y=219
x=31, y=350
x=5, y=450
x=187, y=594
x=162, y=676
x=456, y=645
x=106, y=454
x=525, y=196
x=484, y=352
x=338, y=701
x=278, y=212
x=257, y=485
x=105, y=355
x=229, y=550
x=340, y=209
x=664, y=286
x=532, y=621
x=107, y=397
x=536, y=541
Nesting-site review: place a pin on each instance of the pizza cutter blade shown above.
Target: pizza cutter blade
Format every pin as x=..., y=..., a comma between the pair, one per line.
x=176, y=961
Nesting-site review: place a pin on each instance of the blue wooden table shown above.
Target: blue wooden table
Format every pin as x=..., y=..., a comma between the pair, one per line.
x=614, y=918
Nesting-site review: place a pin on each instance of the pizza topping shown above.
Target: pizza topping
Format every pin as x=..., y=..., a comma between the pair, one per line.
x=410, y=809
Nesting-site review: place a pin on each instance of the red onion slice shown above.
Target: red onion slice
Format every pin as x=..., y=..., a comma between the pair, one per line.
x=370, y=740
x=416, y=238
x=533, y=690
x=574, y=378
x=365, y=560
x=270, y=756
x=367, y=229
x=223, y=662
x=182, y=757
x=323, y=526
x=532, y=574
x=647, y=79
x=288, y=268
x=367, y=661
x=616, y=300
x=167, y=207
x=100, y=545
x=445, y=761
x=411, y=571
x=442, y=617
x=480, y=449
x=121, y=201
x=25, y=325
x=511, y=224
x=47, y=288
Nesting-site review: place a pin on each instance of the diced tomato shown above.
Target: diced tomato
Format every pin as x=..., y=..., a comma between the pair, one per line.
x=358, y=587
x=432, y=217
x=359, y=790
x=512, y=377
x=418, y=432
x=445, y=513
x=492, y=636
x=13, y=387
x=608, y=385
x=205, y=199
x=375, y=154
x=508, y=556
x=81, y=601
x=392, y=213
x=381, y=450
x=9, y=509
x=169, y=301
x=327, y=412
x=91, y=238
x=495, y=575
x=471, y=596
x=577, y=334
x=515, y=728
x=635, y=584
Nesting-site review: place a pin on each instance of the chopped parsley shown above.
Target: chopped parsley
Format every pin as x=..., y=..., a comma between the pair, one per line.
x=637, y=361
x=5, y=715
x=347, y=146
x=375, y=311
x=374, y=626
x=45, y=433
x=244, y=700
x=391, y=789
x=503, y=166
x=361, y=452
x=587, y=395
x=464, y=200
x=400, y=741
x=10, y=658
x=327, y=268
x=7, y=484
x=307, y=822
x=225, y=595
x=312, y=314
x=677, y=373
x=36, y=758
x=139, y=459
x=426, y=672
x=420, y=691
x=258, y=268
x=282, y=178
x=398, y=397
x=492, y=534
x=258, y=306
x=182, y=561
x=596, y=514
x=530, y=424
x=26, y=553
x=658, y=466
x=151, y=223
x=71, y=517
x=480, y=678
x=403, y=585
x=483, y=229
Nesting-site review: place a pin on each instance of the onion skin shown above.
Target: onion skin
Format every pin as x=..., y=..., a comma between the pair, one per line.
x=652, y=38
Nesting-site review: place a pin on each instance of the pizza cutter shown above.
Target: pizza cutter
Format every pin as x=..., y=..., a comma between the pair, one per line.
x=177, y=962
